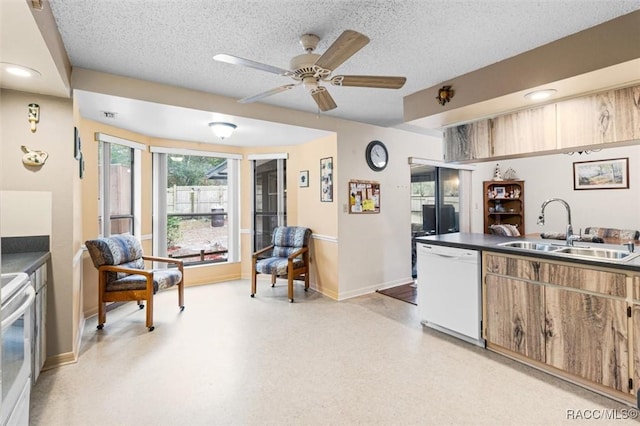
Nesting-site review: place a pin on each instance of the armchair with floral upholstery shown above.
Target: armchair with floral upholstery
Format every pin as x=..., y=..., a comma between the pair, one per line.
x=122, y=275
x=289, y=257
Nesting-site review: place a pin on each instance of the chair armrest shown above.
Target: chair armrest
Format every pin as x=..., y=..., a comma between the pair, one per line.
x=298, y=253
x=163, y=259
x=178, y=262
x=259, y=252
x=130, y=271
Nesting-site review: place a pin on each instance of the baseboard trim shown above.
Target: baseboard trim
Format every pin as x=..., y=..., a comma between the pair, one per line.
x=60, y=360
x=372, y=288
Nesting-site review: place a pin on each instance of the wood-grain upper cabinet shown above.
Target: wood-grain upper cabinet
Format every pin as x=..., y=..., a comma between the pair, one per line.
x=469, y=141
x=523, y=132
x=586, y=335
x=612, y=116
x=569, y=317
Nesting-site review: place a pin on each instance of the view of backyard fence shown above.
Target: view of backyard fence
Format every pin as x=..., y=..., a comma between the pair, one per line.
x=197, y=228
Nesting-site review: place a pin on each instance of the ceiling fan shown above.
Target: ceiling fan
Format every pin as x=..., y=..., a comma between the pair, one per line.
x=310, y=69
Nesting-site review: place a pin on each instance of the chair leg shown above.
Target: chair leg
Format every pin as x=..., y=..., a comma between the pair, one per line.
x=290, y=286
x=273, y=279
x=102, y=311
x=150, y=312
x=306, y=280
x=181, y=295
x=253, y=282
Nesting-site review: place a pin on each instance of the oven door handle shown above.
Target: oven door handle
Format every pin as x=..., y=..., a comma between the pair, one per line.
x=31, y=295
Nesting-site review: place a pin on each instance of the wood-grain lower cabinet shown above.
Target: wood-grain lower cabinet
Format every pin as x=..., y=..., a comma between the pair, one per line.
x=635, y=325
x=571, y=318
x=515, y=316
x=586, y=335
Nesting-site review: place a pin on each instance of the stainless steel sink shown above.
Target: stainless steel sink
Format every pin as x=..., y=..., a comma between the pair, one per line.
x=596, y=252
x=528, y=245
x=584, y=252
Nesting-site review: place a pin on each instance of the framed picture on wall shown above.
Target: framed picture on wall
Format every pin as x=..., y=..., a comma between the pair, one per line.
x=77, y=146
x=81, y=165
x=601, y=174
x=303, y=179
x=326, y=178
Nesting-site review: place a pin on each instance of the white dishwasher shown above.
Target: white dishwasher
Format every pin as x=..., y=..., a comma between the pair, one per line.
x=449, y=295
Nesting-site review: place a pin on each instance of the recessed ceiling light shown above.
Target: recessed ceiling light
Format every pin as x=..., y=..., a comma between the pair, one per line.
x=19, y=70
x=539, y=95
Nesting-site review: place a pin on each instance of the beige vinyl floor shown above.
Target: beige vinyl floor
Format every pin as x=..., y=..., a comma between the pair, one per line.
x=229, y=359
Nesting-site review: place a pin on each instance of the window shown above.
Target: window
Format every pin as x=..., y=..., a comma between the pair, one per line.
x=195, y=205
x=119, y=185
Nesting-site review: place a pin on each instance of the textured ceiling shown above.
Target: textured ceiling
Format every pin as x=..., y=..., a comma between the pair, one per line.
x=429, y=41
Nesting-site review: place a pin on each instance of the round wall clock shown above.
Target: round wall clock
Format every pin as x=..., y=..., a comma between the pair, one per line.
x=377, y=156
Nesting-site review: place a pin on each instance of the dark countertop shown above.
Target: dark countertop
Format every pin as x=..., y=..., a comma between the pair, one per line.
x=23, y=262
x=488, y=242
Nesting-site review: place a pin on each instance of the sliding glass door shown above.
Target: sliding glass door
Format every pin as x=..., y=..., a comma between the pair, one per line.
x=435, y=199
x=269, y=199
x=435, y=203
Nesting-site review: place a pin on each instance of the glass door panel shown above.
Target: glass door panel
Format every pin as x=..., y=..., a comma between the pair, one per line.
x=269, y=199
x=435, y=203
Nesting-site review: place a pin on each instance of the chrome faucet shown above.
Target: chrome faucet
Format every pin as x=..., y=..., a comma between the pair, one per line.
x=569, y=233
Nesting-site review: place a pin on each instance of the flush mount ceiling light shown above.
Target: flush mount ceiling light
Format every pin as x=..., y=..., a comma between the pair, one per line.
x=19, y=70
x=221, y=129
x=539, y=95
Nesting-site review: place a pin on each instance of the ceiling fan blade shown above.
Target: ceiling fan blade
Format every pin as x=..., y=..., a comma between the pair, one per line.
x=323, y=99
x=377, y=81
x=267, y=93
x=342, y=49
x=236, y=60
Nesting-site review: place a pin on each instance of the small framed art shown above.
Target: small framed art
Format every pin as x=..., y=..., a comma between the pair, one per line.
x=303, y=179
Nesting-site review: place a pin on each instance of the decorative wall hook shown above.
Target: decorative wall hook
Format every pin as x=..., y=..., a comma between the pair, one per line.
x=34, y=116
x=33, y=158
x=444, y=95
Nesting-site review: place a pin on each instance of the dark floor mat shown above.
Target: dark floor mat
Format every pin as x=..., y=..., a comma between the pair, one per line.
x=406, y=292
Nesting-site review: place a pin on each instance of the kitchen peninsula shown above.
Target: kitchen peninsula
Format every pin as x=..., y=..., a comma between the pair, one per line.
x=573, y=316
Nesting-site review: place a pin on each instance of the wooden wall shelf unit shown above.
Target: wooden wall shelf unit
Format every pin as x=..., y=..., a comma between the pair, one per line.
x=504, y=204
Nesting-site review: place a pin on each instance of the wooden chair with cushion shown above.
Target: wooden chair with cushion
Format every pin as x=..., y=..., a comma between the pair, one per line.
x=122, y=275
x=289, y=257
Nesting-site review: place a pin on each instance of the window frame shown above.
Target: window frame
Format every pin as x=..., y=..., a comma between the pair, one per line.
x=104, y=145
x=159, y=182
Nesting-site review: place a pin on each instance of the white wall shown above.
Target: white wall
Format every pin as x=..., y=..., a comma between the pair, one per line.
x=375, y=249
x=551, y=176
x=58, y=177
x=25, y=213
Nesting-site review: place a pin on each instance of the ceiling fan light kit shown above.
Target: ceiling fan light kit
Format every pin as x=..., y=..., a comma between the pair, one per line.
x=311, y=69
